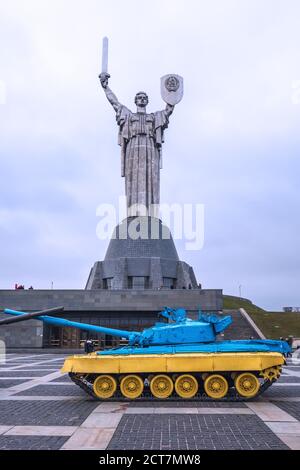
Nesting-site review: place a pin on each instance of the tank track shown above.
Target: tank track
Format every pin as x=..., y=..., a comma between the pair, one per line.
x=146, y=396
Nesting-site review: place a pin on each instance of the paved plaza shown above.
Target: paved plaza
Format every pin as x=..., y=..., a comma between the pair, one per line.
x=42, y=409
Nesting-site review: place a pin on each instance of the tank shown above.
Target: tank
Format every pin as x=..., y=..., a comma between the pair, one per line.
x=177, y=358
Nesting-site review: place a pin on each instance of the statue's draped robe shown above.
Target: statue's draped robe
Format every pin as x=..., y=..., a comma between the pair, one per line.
x=141, y=137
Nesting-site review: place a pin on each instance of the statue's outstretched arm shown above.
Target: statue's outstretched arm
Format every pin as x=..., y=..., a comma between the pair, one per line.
x=112, y=98
x=109, y=94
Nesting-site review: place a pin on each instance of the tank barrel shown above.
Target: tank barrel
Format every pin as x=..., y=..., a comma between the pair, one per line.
x=86, y=327
x=22, y=316
x=56, y=321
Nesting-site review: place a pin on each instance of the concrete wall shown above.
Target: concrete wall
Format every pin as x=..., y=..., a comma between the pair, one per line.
x=128, y=303
x=27, y=334
x=112, y=300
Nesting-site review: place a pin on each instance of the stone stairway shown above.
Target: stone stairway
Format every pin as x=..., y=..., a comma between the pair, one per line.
x=240, y=327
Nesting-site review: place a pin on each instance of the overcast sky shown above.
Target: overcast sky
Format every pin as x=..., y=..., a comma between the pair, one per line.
x=232, y=143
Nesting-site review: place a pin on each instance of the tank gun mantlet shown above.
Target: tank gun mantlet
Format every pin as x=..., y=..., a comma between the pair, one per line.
x=134, y=338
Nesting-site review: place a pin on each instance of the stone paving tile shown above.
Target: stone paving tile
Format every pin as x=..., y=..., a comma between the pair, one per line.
x=270, y=412
x=102, y=420
x=45, y=413
x=54, y=364
x=43, y=360
x=10, y=360
x=189, y=410
x=292, y=441
x=9, y=365
x=63, y=378
x=63, y=384
x=280, y=427
x=281, y=391
x=89, y=439
x=292, y=408
x=188, y=432
x=274, y=399
x=31, y=442
x=185, y=404
x=4, y=429
x=20, y=360
x=23, y=373
x=33, y=357
x=59, y=390
x=41, y=398
x=223, y=404
x=41, y=431
x=288, y=379
x=39, y=366
x=11, y=383
x=37, y=369
x=111, y=407
x=28, y=363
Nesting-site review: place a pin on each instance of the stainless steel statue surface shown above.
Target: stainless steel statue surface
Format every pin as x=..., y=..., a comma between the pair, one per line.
x=141, y=136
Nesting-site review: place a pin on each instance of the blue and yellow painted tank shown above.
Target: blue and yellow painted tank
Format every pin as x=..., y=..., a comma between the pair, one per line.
x=177, y=357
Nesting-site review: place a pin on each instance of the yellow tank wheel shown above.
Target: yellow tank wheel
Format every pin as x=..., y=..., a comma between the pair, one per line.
x=104, y=386
x=132, y=386
x=247, y=385
x=161, y=386
x=186, y=386
x=216, y=386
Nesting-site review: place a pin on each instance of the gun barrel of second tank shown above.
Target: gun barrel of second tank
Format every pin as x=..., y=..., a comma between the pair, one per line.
x=63, y=322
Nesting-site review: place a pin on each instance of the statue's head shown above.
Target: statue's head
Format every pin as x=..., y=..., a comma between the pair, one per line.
x=141, y=99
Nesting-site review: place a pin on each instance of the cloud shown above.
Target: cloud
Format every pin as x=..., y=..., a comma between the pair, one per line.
x=232, y=142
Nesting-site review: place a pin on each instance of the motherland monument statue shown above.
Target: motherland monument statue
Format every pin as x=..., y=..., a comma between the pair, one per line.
x=141, y=253
x=141, y=136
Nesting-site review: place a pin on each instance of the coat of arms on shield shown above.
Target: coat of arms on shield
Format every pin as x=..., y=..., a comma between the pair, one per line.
x=171, y=87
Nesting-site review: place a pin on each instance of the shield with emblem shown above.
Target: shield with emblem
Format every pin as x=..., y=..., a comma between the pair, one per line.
x=171, y=87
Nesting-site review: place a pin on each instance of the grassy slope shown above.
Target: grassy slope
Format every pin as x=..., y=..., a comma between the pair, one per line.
x=272, y=324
